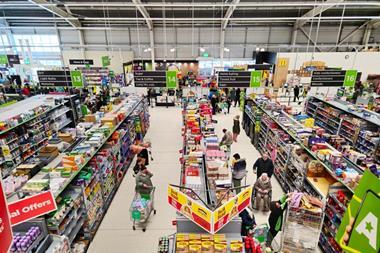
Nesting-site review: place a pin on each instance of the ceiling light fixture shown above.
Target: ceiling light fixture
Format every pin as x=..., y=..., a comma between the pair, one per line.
x=202, y=49
x=172, y=50
x=257, y=49
x=262, y=49
x=226, y=49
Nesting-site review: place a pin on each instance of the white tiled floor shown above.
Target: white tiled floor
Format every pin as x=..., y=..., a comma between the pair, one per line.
x=115, y=233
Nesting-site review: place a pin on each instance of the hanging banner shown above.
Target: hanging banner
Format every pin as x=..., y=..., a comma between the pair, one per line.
x=6, y=236
x=235, y=79
x=54, y=78
x=333, y=78
x=359, y=230
x=232, y=208
x=199, y=214
x=155, y=79
x=32, y=207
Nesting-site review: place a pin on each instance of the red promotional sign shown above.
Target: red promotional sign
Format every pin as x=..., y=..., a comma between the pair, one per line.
x=32, y=207
x=6, y=236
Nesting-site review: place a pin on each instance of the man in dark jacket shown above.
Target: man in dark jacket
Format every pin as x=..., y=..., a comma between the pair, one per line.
x=263, y=165
x=296, y=93
x=238, y=171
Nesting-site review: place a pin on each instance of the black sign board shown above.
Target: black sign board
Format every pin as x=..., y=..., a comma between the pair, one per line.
x=13, y=59
x=54, y=78
x=328, y=78
x=81, y=62
x=230, y=79
x=150, y=79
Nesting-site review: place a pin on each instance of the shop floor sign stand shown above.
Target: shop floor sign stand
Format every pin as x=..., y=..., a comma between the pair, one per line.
x=141, y=209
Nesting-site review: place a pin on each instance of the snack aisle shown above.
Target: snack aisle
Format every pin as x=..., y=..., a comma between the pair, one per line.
x=83, y=177
x=306, y=158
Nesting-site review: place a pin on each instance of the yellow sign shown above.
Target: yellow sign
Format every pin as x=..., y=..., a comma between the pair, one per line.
x=232, y=208
x=6, y=150
x=282, y=62
x=190, y=208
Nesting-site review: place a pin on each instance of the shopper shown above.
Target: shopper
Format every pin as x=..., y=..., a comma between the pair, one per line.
x=277, y=209
x=237, y=97
x=214, y=102
x=238, y=171
x=263, y=165
x=248, y=221
x=296, y=91
x=144, y=183
x=227, y=139
x=229, y=102
x=263, y=189
x=236, y=127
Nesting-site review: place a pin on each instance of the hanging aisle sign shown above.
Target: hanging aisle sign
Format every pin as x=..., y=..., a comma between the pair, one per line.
x=243, y=79
x=333, y=78
x=81, y=62
x=155, y=79
x=60, y=78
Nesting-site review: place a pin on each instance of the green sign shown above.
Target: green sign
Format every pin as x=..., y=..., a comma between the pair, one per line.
x=76, y=78
x=3, y=59
x=350, y=78
x=171, y=79
x=112, y=73
x=106, y=61
x=205, y=54
x=255, y=81
x=359, y=230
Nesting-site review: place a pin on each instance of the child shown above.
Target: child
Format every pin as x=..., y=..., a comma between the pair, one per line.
x=223, y=106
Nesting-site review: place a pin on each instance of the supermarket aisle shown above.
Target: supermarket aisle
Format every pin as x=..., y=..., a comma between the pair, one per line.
x=247, y=151
x=115, y=233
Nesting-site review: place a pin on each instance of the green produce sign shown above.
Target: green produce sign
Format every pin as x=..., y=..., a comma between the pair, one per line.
x=235, y=79
x=155, y=79
x=360, y=227
x=76, y=78
x=106, y=61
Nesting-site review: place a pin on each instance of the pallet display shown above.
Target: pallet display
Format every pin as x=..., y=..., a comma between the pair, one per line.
x=85, y=178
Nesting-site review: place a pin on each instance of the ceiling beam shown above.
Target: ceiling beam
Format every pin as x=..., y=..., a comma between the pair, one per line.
x=355, y=31
x=89, y=4
x=149, y=23
x=310, y=39
x=74, y=22
x=223, y=27
x=318, y=10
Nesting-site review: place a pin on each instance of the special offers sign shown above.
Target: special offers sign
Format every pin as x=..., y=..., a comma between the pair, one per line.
x=211, y=221
x=6, y=236
x=31, y=207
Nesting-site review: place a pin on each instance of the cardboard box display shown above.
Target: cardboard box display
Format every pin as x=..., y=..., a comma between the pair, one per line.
x=90, y=118
x=48, y=151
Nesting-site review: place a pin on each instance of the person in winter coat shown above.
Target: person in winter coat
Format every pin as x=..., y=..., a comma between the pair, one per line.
x=238, y=171
x=263, y=165
x=277, y=209
x=237, y=97
x=248, y=221
x=296, y=93
x=236, y=128
x=227, y=139
x=144, y=183
x=214, y=102
x=263, y=188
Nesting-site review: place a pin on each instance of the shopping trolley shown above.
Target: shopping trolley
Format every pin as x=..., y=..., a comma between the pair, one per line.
x=141, y=209
x=262, y=235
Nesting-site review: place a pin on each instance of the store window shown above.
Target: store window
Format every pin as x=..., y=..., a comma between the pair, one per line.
x=37, y=42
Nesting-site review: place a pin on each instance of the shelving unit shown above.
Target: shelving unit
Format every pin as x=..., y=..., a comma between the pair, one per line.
x=360, y=130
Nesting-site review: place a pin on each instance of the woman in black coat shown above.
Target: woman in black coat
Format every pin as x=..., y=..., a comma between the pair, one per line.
x=236, y=128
